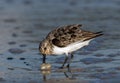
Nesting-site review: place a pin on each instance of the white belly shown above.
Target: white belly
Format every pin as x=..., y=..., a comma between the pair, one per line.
x=70, y=48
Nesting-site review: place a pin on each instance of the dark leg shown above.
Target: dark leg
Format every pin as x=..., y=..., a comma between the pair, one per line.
x=72, y=56
x=44, y=58
x=64, y=62
x=68, y=65
x=69, y=69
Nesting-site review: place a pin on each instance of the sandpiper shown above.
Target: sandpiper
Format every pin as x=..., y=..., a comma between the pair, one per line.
x=65, y=40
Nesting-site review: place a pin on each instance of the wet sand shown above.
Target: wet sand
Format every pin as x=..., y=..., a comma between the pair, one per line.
x=24, y=23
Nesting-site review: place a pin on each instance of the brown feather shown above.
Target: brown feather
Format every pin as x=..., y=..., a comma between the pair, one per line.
x=66, y=35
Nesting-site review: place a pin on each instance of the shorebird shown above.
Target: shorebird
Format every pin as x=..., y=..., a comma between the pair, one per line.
x=65, y=40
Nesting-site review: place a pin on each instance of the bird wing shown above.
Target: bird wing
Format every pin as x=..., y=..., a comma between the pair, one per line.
x=66, y=35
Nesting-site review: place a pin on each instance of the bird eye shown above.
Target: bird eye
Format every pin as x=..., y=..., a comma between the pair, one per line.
x=45, y=48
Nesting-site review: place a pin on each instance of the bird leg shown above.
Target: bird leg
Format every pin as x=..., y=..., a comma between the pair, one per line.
x=44, y=58
x=64, y=62
x=72, y=56
x=68, y=65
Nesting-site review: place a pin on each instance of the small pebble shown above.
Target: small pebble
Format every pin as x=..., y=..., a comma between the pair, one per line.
x=14, y=35
x=10, y=58
x=16, y=51
x=23, y=45
x=26, y=63
x=22, y=58
x=11, y=43
x=112, y=55
x=11, y=68
x=45, y=66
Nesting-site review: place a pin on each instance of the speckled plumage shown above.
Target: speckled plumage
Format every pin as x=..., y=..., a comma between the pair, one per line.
x=66, y=40
x=65, y=35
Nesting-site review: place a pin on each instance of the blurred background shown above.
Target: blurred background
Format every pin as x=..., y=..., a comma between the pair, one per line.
x=24, y=23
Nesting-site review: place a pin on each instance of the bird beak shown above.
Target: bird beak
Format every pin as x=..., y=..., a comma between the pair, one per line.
x=44, y=58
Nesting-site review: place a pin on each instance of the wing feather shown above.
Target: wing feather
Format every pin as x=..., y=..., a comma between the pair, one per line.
x=66, y=35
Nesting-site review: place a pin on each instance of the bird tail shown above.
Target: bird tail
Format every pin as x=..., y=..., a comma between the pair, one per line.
x=99, y=33
x=94, y=35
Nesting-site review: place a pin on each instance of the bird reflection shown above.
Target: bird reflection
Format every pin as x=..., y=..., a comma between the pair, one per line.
x=45, y=73
x=69, y=75
x=67, y=72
